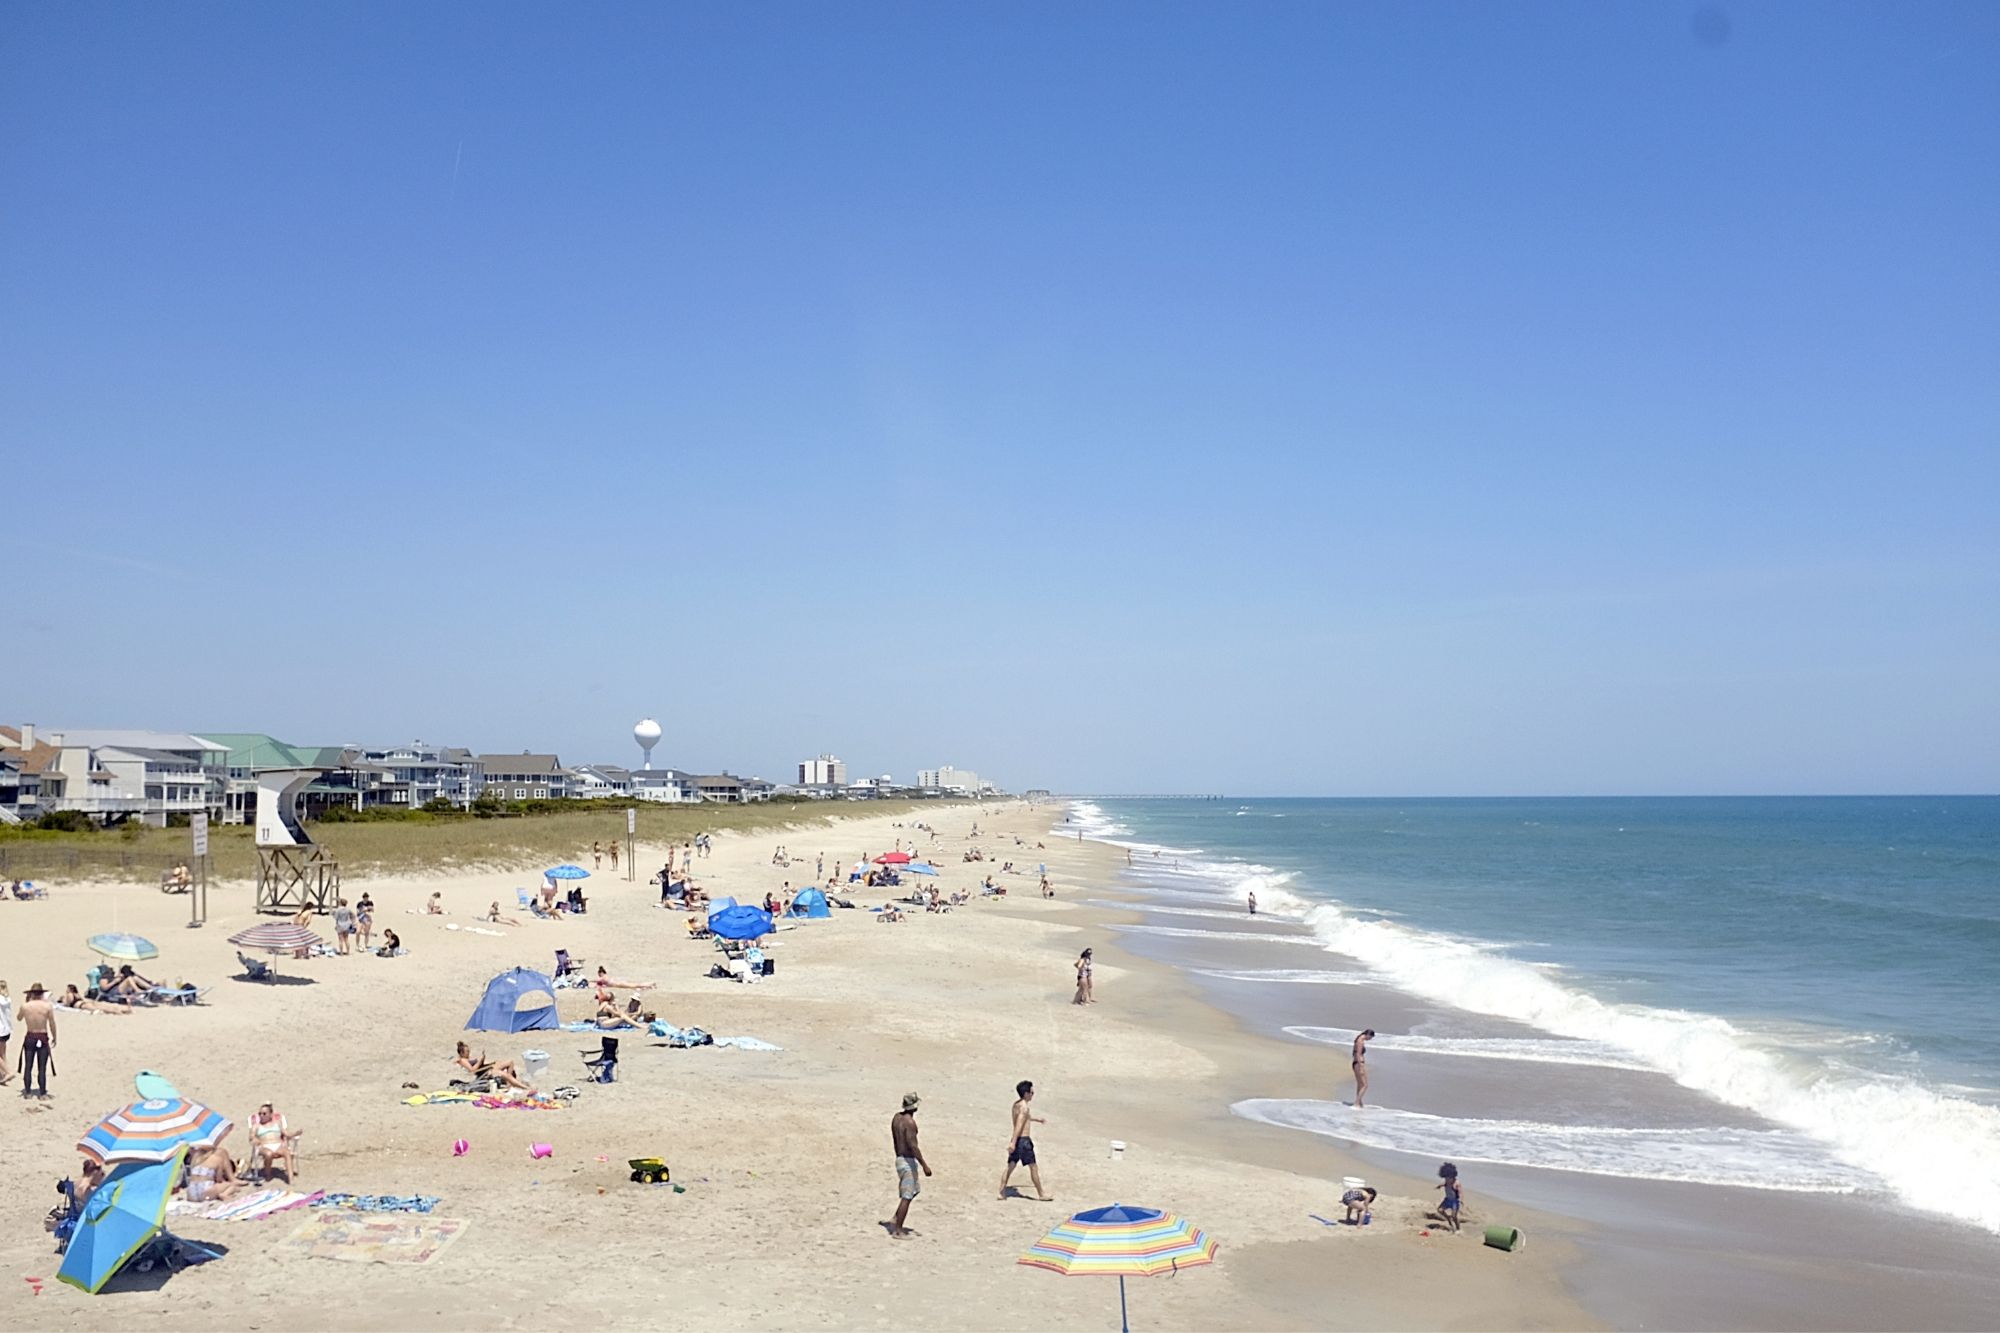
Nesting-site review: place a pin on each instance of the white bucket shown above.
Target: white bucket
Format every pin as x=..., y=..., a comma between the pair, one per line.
x=1117, y=1150
x=533, y=1065
x=1353, y=1183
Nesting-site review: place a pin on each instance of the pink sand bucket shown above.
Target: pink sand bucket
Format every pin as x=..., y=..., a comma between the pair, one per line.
x=541, y=1150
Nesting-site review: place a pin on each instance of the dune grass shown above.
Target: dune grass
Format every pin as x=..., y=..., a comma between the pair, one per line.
x=419, y=844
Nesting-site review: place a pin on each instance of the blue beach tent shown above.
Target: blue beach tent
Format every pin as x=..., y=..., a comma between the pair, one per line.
x=810, y=902
x=522, y=1000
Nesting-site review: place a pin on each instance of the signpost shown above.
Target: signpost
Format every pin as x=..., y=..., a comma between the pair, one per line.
x=631, y=842
x=198, y=896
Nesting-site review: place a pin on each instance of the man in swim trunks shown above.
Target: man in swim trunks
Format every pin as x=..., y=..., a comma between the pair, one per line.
x=1361, y=1066
x=909, y=1160
x=1021, y=1145
x=38, y=1020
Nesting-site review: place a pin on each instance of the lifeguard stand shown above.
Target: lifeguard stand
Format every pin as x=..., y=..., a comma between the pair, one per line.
x=293, y=871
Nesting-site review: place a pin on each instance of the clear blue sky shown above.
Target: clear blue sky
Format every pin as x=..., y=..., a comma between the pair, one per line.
x=1315, y=398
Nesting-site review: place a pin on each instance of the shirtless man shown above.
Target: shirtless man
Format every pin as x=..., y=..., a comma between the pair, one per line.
x=1361, y=1065
x=909, y=1160
x=37, y=1018
x=1021, y=1144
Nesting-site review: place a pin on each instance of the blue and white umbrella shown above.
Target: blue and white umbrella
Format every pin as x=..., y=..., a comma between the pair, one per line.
x=567, y=872
x=921, y=868
x=123, y=948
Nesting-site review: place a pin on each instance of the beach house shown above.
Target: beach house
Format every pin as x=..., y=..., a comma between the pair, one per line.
x=525, y=777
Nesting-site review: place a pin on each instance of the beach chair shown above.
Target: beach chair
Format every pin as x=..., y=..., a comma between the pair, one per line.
x=603, y=1065
x=29, y=890
x=566, y=964
x=254, y=969
x=182, y=995
x=525, y=898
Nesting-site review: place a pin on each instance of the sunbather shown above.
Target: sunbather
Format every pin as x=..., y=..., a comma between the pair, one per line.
x=211, y=1176
x=604, y=979
x=493, y=915
x=272, y=1141
x=479, y=1066
x=129, y=985
x=608, y=1016
x=435, y=906
x=73, y=999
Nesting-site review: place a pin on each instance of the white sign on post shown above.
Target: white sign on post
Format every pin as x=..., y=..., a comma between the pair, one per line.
x=632, y=820
x=200, y=822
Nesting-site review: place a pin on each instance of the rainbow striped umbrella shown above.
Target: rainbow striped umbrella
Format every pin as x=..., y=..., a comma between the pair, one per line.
x=153, y=1131
x=1122, y=1242
x=276, y=937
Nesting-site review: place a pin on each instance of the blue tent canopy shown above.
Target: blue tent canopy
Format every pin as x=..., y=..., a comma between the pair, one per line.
x=810, y=902
x=522, y=1000
x=721, y=905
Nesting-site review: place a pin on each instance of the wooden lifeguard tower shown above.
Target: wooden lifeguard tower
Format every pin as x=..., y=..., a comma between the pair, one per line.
x=293, y=871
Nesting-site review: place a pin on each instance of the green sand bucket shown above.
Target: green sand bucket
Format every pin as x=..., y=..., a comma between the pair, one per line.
x=1505, y=1238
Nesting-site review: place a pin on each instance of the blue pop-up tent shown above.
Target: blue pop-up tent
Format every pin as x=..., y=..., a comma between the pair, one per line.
x=522, y=1000
x=810, y=902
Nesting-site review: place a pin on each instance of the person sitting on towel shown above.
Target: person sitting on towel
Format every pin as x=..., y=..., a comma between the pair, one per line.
x=479, y=1066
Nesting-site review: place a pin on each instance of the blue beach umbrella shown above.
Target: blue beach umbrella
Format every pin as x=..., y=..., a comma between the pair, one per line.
x=123, y=948
x=921, y=868
x=118, y=1219
x=741, y=923
x=567, y=872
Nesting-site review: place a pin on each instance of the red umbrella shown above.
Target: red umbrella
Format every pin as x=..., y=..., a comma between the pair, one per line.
x=893, y=859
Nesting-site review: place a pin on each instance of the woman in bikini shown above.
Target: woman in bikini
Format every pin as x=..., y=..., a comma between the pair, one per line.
x=212, y=1178
x=73, y=999
x=481, y=1067
x=1083, y=986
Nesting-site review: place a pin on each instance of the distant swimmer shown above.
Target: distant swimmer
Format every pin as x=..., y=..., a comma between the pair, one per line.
x=1253, y=902
x=1361, y=1066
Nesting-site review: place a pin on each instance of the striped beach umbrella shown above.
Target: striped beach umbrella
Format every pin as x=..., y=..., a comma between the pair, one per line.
x=123, y=948
x=276, y=937
x=153, y=1131
x=1122, y=1242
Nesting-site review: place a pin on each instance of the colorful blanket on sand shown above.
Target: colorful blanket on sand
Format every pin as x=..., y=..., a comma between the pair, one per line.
x=360, y=1238
x=247, y=1208
x=485, y=1101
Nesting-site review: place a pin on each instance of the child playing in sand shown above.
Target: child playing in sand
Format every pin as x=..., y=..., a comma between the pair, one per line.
x=1454, y=1195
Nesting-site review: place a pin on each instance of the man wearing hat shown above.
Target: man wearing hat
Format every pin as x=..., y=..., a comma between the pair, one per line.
x=38, y=1021
x=909, y=1160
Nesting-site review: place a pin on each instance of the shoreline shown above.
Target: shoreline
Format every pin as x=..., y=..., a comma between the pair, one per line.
x=1768, y=1258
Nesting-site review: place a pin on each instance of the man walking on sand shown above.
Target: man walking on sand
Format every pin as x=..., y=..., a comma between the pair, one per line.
x=1361, y=1066
x=909, y=1160
x=1021, y=1143
x=38, y=1022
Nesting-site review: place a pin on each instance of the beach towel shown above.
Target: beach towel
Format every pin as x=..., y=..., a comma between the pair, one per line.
x=379, y=1203
x=245, y=1208
x=364, y=1238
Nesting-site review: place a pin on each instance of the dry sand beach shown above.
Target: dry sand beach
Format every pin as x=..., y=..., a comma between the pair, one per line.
x=784, y=1155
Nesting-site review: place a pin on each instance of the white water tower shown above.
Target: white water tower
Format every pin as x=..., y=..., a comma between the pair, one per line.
x=647, y=733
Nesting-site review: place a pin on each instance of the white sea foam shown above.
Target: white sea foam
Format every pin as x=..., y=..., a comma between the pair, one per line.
x=1538, y=1050
x=1193, y=934
x=1295, y=976
x=1212, y=913
x=1771, y=1159
x=1939, y=1153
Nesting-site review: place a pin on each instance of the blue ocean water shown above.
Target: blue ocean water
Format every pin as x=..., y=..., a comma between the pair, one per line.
x=1829, y=964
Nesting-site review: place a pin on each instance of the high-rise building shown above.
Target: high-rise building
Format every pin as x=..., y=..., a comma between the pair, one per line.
x=947, y=778
x=825, y=771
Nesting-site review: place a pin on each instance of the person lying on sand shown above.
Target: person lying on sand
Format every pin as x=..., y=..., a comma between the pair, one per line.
x=605, y=979
x=493, y=915
x=480, y=1067
x=73, y=999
